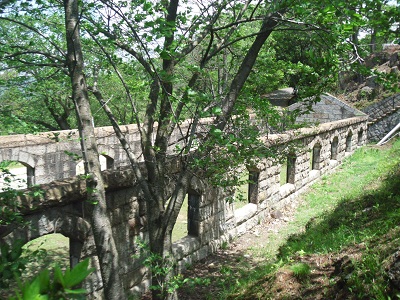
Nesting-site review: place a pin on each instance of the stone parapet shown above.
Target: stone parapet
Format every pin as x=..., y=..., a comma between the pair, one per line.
x=319, y=150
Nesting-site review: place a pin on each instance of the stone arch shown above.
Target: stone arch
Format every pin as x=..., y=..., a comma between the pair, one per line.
x=16, y=154
x=316, y=140
x=52, y=221
x=26, y=159
x=24, y=176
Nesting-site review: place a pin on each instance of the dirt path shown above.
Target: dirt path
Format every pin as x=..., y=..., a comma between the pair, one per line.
x=244, y=253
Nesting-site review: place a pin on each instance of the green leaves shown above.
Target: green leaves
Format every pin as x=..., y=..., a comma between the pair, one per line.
x=72, y=277
x=61, y=286
x=11, y=263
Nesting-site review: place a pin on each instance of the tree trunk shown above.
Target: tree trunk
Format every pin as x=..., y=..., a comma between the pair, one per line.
x=100, y=222
x=246, y=66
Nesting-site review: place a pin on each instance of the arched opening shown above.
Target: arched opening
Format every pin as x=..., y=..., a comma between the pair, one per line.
x=247, y=192
x=106, y=162
x=37, y=255
x=242, y=191
x=80, y=168
x=291, y=168
x=193, y=213
x=288, y=170
x=16, y=175
x=334, y=148
x=253, y=186
x=188, y=219
x=180, y=229
x=360, y=137
x=348, y=141
x=316, y=157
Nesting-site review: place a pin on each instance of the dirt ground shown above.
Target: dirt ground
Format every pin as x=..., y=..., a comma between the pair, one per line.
x=227, y=265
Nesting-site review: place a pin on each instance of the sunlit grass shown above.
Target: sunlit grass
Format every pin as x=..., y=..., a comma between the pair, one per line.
x=357, y=205
x=181, y=226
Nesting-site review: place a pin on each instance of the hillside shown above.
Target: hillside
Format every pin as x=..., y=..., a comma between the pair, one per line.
x=361, y=91
x=338, y=241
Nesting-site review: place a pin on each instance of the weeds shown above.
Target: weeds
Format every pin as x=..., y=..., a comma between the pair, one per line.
x=301, y=270
x=355, y=210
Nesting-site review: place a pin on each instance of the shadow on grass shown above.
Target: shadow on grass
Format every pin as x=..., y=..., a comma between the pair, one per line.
x=356, y=220
x=222, y=274
x=359, y=235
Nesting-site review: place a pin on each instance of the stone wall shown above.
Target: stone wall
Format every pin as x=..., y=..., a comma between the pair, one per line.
x=213, y=219
x=383, y=117
x=329, y=109
x=55, y=155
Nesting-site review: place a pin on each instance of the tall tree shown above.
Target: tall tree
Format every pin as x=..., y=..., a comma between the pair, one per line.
x=177, y=47
x=195, y=59
x=97, y=206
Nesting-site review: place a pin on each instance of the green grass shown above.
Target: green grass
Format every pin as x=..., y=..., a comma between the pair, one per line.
x=46, y=251
x=357, y=206
x=301, y=270
x=181, y=226
x=242, y=192
x=41, y=254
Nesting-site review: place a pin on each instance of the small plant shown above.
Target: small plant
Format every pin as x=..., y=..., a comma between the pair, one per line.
x=224, y=245
x=61, y=286
x=160, y=267
x=11, y=263
x=301, y=270
x=226, y=270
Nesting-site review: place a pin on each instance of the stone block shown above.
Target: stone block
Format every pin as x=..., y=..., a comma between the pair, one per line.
x=244, y=213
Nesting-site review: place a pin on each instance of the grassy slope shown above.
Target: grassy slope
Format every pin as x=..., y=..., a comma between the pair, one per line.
x=355, y=211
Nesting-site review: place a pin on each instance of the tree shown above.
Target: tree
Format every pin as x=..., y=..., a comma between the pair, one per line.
x=100, y=222
x=195, y=62
x=34, y=86
x=165, y=41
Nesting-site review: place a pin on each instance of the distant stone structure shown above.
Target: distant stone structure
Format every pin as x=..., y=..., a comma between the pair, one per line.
x=328, y=109
x=212, y=219
x=383, y=117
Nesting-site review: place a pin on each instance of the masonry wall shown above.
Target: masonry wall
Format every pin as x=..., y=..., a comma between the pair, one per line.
x=328, y=109
x=213, y=220
x=55, y=155
x=383, y=117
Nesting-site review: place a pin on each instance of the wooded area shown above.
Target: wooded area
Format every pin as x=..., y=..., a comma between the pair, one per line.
x=83, y=64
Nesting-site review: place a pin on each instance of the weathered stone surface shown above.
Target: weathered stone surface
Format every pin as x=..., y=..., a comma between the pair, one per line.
x=61, y=209
x=276, y=214
x=383, y=117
